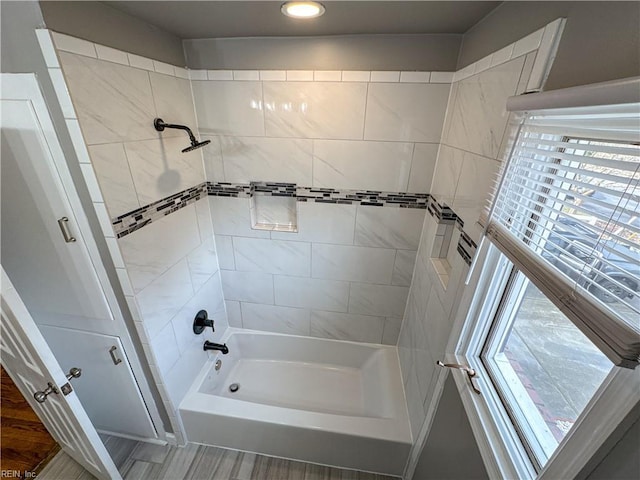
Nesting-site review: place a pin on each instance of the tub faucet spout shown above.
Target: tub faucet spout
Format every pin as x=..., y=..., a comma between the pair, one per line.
x=216, y=346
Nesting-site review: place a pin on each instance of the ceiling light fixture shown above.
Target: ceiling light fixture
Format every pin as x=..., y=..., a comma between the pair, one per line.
x=302, y=9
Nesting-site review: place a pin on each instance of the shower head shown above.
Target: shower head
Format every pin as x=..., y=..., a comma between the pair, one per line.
x=195, y=145
x=159, y=125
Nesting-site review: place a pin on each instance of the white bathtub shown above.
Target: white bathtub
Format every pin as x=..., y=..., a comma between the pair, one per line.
x=323, y=401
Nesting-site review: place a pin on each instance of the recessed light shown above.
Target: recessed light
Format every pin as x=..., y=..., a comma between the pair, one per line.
x=302, y=9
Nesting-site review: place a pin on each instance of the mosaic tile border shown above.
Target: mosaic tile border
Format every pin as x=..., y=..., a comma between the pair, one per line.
x=136, y=219
x=466, y=247
x=321, y=195
x=140, y=217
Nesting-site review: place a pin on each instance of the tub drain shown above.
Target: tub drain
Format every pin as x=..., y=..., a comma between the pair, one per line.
x=234, y=387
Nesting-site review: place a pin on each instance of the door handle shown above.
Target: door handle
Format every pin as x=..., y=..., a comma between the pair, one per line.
x=74, y=373
x=471, y=373
x=63, y=223
x=41, y=396
x=114, y=357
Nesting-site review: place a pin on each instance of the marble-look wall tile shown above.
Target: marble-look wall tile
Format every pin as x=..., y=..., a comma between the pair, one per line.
x=403, y=267
x=437, y=325
x=389, y=227
x=447, y=173
x=341, y=164
x=345, y=326
x=114, y=103
x=174, y=102
x=203, y=263
x=479, y=117
x=272, y=256
x=301, y=292
x=314, y=109
x=273, y=75
x=453, y=95
x=232, y=216
x=229, y=108
x=294, y=321
x=68, y=43
x=475, y=184
x=383, y=300
x=210, y=298
x=150, y=251
x=360, y=264
x=111, y=55
x=212, y=156
x=248, y=159
x=406, y=112
x=391, y=330
x=112, y=170
x=234, y=314
x=322, y=223
x=250, y=287
x=180, y=377
x=220, y=75
x=385, y=76
x=414, y=403
x=423, y=165
x=224, y=247
x=159, y=168
x=165, y=349
x=164, y=297
x=203, y=215
x=355, y=76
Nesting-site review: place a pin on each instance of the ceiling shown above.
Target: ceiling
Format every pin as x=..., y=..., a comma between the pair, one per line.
x=212, y=19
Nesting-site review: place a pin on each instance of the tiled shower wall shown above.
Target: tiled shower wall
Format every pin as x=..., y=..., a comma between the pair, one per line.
x=345, y=273
x=169, y=269
x=475, y=138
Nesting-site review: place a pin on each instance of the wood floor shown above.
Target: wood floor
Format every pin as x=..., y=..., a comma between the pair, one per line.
x=25, y=442
x=144, y=461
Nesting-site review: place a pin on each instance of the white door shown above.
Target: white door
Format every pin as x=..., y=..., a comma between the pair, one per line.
x=33, y=368
x=52, y=272
x=108, y=385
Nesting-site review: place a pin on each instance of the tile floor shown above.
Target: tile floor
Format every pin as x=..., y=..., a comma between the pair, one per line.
x=144, y=461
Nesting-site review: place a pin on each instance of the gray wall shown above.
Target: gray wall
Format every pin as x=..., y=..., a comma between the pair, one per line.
x=451, y=451
x=623, y=462
x=601, y=40
x=20, y=53
x=348, y=52
x=105, y=25
x=619, y=457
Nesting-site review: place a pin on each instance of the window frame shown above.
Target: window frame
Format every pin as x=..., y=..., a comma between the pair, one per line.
x=503, y=451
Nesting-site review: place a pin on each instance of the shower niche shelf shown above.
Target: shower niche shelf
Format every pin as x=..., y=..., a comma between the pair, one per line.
x=274, y=207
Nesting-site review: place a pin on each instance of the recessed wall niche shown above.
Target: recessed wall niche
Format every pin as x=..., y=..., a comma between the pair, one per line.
x=274, y=207
x=440, y=252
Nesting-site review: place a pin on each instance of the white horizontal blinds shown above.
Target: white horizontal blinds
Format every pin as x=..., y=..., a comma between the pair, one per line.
x=568, y=214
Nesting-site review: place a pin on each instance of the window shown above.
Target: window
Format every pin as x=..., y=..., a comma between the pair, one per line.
x=567, y=215
x=543, y=367
x=553, y=326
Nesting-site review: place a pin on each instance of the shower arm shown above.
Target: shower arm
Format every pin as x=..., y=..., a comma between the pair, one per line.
x=160, y=125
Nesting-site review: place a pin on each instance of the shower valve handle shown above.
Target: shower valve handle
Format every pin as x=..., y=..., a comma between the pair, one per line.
x=202, y=321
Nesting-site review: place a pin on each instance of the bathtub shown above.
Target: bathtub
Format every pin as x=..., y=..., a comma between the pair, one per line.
x=322, y=401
